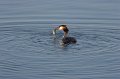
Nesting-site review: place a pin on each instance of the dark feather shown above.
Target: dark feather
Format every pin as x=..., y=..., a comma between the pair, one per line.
x=68, y=40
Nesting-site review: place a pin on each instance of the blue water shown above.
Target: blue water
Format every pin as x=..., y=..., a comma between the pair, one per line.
x=28, y=49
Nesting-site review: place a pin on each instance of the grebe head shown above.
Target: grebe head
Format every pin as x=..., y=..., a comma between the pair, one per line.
x=62, y=27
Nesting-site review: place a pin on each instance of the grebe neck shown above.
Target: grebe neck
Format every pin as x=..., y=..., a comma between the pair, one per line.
x=65, y=34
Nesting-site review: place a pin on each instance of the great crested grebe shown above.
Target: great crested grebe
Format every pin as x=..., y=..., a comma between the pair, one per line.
x=65, y=39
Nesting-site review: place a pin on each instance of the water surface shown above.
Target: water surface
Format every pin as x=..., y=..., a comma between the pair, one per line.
x=28, y=49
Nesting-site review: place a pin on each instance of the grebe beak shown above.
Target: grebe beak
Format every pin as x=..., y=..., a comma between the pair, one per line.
x=54, y=31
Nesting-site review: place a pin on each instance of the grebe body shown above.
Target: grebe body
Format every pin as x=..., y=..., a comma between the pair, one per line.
x=68, y=40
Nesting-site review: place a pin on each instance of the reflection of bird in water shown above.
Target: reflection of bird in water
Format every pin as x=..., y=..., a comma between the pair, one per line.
x=65, y=39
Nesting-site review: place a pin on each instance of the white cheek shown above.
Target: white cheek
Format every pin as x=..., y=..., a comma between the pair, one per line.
x=61, y=28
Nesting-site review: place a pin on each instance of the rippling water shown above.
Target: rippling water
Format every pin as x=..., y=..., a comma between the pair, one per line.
x=28, y=49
